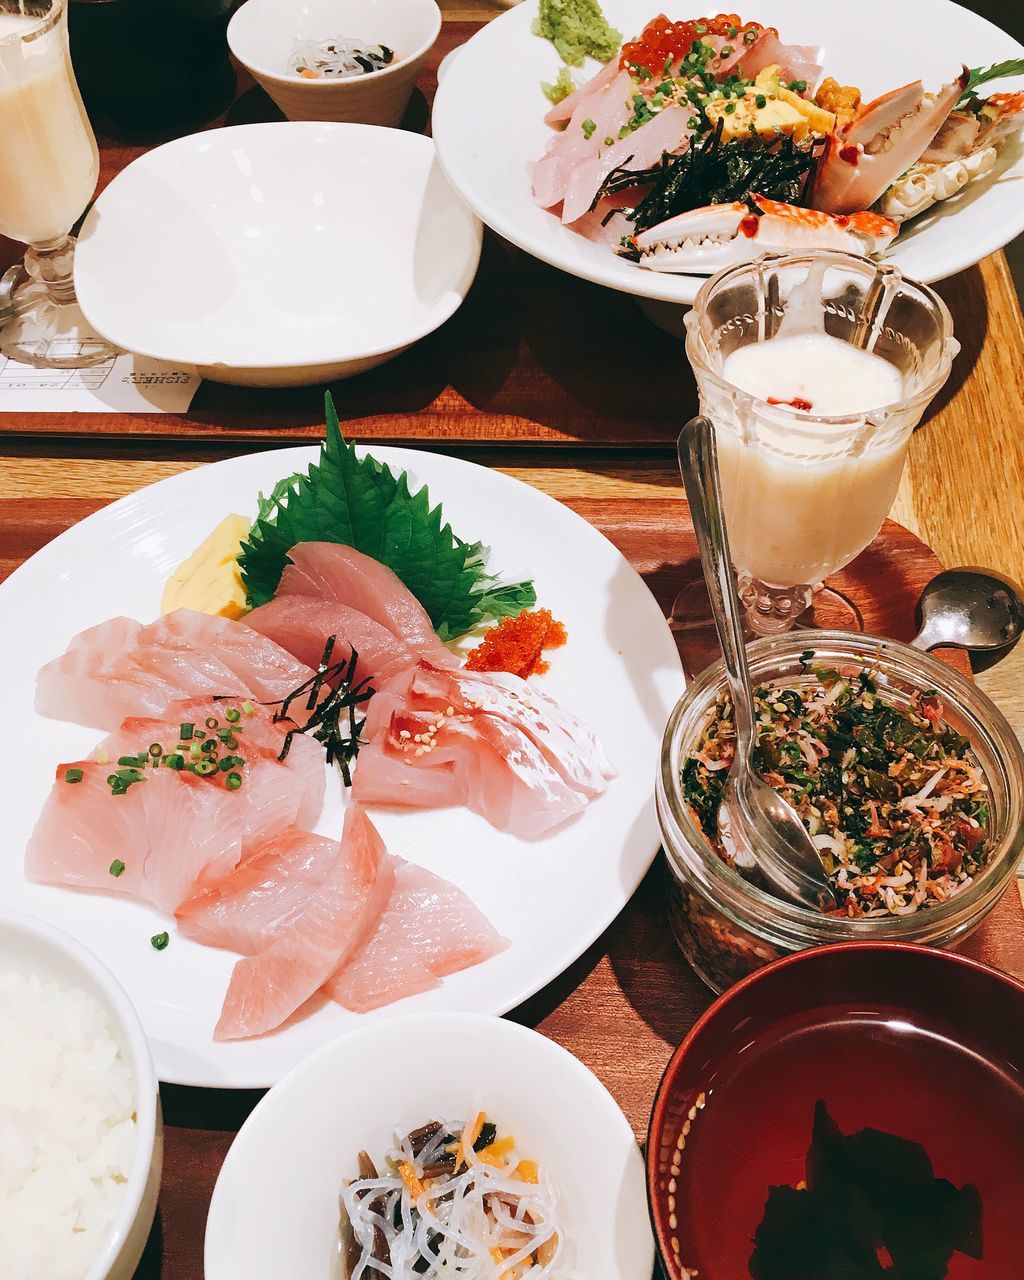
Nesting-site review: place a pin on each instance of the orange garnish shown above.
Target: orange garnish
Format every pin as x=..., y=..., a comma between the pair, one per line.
x=515, y=644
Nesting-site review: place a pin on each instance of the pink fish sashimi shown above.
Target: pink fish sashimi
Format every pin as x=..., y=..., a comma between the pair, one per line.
x=121, y=668
x=608, y=110
x=168, y=831
x=307, y=904
x=436, y=738
x=430, y=930
x=329, y=571
x=565, y=109
x=302, y=625
x=795, y=61
x=669, y=131
x=260, y=740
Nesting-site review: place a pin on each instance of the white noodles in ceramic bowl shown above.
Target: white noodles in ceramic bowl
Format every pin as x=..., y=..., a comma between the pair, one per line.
x=80, y=1131
x=293, y=1192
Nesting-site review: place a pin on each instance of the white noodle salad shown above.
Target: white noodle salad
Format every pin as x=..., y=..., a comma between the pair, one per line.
x=338, y=59
x=452, y=1200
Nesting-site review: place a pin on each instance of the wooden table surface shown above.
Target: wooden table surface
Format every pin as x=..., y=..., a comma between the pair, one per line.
x=624, y=1005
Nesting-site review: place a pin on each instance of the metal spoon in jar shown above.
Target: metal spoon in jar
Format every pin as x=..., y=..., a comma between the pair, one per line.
x=759, y=827
x=971, y=609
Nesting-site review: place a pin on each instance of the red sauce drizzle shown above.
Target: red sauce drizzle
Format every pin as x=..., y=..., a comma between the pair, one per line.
x=663, y=41
x=798, y=402
x=749, y=226
x=850, y=154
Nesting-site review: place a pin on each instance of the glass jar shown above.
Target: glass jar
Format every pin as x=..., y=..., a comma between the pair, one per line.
x=725, y=925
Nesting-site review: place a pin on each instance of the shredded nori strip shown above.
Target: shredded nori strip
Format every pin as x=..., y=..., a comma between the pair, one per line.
x=717, y=172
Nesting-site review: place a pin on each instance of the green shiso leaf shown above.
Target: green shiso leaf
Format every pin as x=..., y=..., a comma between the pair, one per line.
x=361, y=503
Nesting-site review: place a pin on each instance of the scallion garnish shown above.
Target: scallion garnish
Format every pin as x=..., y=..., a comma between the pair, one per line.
x=117, y=868
x=73, y=775
x=186, y=732
x=234, y=781
x=159, y=941
x=232, y=714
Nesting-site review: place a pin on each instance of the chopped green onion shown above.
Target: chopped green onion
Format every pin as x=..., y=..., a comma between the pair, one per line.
x=159, y=941
x=725, y=51
x=212, y=722
x=609, y=142
x=730, y=107
x=187, y=730
x=73, y=775
x=204, y=768
x=761, y=101
x=210, y=746
x=234, y=781
x=117, y=868
x=798, y=86
x=248, y=708
x=175, y=761
x=232, y=714
x=156, y=749
x=588, y=129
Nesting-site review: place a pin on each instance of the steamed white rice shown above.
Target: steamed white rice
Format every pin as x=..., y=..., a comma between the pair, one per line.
x=67, y=1129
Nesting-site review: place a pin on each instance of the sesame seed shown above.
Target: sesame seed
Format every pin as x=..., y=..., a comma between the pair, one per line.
x=404, y=733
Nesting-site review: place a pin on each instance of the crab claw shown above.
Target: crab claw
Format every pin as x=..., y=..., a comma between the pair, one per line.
x=884, y=139
x=720, y=235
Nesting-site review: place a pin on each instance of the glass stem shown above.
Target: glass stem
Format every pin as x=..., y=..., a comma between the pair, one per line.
x=52, y=264
x=769, y=610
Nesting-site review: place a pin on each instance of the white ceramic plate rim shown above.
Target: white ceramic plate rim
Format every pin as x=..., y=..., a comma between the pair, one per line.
x=111, y=325
x=418, y=1028
x=460, y=88
x=627, y=865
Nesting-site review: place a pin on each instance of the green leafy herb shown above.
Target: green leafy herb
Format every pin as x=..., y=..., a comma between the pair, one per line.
x=716, y=172
x=982, y=75
x=361, y=503
x=159, y=941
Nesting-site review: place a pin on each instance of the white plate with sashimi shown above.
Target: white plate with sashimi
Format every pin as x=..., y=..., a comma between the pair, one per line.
x=645, y=152
x=290, y=756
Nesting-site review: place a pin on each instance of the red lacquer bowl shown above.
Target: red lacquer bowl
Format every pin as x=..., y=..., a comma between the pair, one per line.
x=840, y=1111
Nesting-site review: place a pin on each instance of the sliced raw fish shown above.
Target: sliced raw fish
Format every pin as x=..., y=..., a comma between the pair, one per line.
x=121, y=668
x=168, y=831
x=302, y=905
x=795, y=61
x=329, y=571
x=608, y=110
x=302, y=625
x=565, y=109
x=436, y=738
x=260, y=737
x=668, y=131
x=429, y=930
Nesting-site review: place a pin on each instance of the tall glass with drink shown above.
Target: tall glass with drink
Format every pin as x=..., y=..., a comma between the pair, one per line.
x=815, y=369
x=48, y=170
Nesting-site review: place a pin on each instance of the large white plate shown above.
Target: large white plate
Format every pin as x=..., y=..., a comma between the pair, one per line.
x=551, y=897
x=488, y=124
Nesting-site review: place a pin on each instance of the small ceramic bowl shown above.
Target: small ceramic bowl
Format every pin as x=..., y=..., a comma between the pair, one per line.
x=262, y=34
x=868, y=1096
x=277, y=254
x=31, y=947
x=275, y=1210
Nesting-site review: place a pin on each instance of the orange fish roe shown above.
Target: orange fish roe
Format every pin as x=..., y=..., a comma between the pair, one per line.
x=515, y=644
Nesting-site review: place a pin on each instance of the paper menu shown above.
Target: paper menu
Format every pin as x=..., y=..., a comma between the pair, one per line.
x=125, y=384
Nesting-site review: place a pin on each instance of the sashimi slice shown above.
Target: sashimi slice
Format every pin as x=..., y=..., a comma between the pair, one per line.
x=259, y=735
x=435, y=738
x=329, y=571
x=121, y=668
x=167, y=831
x=569, y=152
x=430, y=929
x=668, y=131
x=308, y=904
x=565, y=109
x=795, y=62
x=302, y=625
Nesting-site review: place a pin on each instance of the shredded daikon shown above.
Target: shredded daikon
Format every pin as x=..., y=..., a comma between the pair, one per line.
x=338, y=59
x=473, y=1220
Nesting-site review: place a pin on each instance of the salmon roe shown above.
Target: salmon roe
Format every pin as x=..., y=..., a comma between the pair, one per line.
x=663, y=41
x=515, y=644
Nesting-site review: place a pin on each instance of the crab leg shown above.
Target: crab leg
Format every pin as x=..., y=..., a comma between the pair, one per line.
x=705, y=240
x=885, y=138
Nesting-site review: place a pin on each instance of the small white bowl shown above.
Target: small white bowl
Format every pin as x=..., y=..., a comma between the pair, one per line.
x=31, y=947
x=262, y=33
x=277, y=254
x=275, y=1207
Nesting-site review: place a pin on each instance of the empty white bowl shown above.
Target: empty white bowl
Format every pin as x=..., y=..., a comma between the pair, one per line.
x=30, y=947
x=262, y=34
x=277, y=254
x=275, y=1207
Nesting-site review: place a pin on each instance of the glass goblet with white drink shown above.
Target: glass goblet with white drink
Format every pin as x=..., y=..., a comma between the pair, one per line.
x=815, y=369
x=48, y=171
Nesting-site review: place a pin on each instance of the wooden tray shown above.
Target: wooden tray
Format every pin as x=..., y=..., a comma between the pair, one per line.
x=534, y=357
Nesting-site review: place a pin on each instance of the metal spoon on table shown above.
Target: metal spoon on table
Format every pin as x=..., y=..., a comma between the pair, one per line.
x=761, y=828
x=971, y=609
